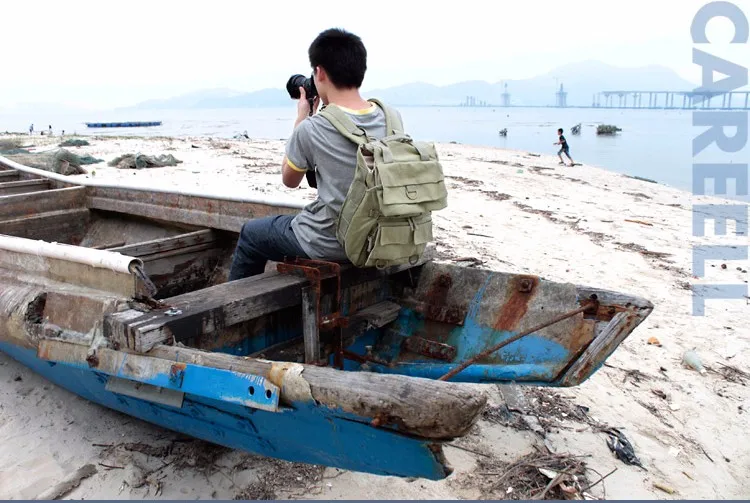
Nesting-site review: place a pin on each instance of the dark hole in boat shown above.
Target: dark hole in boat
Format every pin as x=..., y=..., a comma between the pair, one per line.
x=35, y=311
x=268, y=393
x=594, y=297
x=251, y=390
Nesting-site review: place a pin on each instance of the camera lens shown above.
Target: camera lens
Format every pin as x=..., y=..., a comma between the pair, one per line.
x=293, y=85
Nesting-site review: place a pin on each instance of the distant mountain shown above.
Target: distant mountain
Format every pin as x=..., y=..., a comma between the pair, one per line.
x=581, y=80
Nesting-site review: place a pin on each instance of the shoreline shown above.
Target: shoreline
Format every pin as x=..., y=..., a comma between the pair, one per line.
x=510, y=210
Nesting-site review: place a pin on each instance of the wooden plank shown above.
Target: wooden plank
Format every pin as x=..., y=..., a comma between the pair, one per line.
x=380, y=314
x=166, y=244
x=9, y=175
x=23, y=187
x=205, y=311
x=422, y=407
x=310, y=328
x=64, y=226
x=21, y=205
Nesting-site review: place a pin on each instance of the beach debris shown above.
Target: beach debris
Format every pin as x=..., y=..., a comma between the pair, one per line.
x=607, y=129
x=661, y=394
x=241, y=136
x=663, y=487
x=141, y=161
x=69, y=483
x=576, y=130
x=692, y=361
x=653, y=341
x=59, y=161
x=531, y=154
x=639, y=222
x=724, y=266
x=74, y=142
x=732, y=374
x=649, y=180
x=621, y=447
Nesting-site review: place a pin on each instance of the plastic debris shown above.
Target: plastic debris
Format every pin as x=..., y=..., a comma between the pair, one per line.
x=691, y=360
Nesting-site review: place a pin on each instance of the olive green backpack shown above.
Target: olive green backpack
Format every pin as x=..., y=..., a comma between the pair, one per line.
x=386, y=218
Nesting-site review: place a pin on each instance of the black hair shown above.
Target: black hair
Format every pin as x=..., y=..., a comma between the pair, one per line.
x=560, y=130
x=342, y=55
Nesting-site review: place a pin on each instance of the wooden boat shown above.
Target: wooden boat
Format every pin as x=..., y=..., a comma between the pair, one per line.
x=119, y=294
x=123, y=124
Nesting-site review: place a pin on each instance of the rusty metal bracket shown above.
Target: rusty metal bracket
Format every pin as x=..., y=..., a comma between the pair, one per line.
x=431, y=349
x=317, y=271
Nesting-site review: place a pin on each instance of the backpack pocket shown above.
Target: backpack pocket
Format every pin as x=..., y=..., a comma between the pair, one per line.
x=399, y=241
x=411, y=188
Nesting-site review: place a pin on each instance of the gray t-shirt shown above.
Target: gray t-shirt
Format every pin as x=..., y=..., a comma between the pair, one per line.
x=316, y=144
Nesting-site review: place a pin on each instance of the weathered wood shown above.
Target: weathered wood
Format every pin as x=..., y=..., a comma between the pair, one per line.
x=310, y=329
x=380, y=314
x=192, y=210
x=69, y=483
x=9, y=175
x=181, y=241
x=214, y=308
x=206, y=310
x=416, y=406
x=23, y=187
x=20, y=205
x=64, y=226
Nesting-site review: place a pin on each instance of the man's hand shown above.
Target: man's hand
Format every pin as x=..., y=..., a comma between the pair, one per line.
x=303, y=106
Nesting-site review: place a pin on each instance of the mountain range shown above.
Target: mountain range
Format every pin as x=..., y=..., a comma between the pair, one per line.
x=580, y=80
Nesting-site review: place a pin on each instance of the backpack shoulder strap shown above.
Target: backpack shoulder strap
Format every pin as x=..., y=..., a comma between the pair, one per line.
x=344, y=124
x=393, y=124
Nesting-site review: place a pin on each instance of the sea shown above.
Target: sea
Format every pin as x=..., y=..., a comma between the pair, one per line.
x=653, y=144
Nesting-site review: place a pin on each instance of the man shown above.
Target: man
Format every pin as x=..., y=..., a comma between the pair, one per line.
x=339, y=61
x=563, y=147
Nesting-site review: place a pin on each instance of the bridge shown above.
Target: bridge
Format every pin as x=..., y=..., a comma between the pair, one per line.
x=666, y=100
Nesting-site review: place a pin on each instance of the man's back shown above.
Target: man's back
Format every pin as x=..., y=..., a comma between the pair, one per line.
x=316, y=144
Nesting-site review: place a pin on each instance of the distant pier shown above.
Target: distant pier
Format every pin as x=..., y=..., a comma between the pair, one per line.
x=677, y=100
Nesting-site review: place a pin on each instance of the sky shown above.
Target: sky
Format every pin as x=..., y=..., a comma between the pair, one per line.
x=109, y=54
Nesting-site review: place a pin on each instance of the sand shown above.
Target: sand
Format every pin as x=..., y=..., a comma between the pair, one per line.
x=513, y=211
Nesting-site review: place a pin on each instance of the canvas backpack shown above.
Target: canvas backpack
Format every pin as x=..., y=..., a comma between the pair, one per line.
x=386, y=218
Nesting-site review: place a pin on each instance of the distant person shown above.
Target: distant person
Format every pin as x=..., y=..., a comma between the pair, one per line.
x=31, y=130
x=50, y=129
x=564, y=149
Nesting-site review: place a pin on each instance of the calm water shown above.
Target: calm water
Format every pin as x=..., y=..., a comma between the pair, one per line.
x=654, y=144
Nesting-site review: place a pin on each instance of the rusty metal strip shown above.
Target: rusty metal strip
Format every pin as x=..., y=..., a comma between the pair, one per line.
x=431, y=349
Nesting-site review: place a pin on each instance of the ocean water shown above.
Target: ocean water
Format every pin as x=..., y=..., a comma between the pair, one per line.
x=655, y=144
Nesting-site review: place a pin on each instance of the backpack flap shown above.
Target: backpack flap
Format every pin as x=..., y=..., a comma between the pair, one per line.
x=410, y=177
x=399, y=241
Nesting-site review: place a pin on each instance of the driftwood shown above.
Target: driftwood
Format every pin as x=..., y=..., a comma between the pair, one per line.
x=68, y=484
x=422, y=407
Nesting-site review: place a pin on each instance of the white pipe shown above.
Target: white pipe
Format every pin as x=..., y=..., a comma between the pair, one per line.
x=270, y=201
x=114, y=261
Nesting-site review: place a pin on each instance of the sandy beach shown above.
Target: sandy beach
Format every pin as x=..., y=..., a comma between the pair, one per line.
x=508, y=210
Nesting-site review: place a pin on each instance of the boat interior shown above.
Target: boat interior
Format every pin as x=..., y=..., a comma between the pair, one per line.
x=419, y=320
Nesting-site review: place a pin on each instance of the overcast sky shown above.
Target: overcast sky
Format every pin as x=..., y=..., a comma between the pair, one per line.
x=107, y=54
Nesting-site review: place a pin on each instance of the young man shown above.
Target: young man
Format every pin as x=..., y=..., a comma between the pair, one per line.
x=339, y=61
x=563, y=147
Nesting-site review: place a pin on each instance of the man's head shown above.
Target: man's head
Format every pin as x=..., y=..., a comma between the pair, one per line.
x=339, y=60
x=559, y=132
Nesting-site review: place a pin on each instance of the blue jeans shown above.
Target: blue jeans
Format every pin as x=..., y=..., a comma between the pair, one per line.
x=261, y=240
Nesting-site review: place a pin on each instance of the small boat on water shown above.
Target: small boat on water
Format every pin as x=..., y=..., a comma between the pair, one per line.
x=122, y=124
x=119, y=295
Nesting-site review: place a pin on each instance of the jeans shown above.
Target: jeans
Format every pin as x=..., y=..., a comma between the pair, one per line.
x=261, y=240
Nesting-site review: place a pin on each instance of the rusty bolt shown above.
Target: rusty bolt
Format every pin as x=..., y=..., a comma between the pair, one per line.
x=525, y=286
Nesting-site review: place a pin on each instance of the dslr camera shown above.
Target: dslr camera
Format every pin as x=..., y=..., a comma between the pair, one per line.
x=292, y=87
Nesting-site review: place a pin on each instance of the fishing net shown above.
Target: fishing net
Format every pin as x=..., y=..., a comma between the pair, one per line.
x=74, y=142
x=140, y=161
x=59, y=161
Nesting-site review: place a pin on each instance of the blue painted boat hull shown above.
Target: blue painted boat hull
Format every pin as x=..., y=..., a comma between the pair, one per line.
x=302, y=433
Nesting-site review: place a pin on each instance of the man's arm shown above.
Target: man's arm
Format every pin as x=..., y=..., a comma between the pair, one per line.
x=293, y=172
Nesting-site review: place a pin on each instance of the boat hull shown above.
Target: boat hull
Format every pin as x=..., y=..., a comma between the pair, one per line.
x=301, y=433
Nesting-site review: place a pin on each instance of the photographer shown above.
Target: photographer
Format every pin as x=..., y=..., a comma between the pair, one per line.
x=339, y=61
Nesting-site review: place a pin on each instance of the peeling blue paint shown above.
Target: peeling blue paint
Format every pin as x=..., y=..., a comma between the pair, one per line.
x=304, y=432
